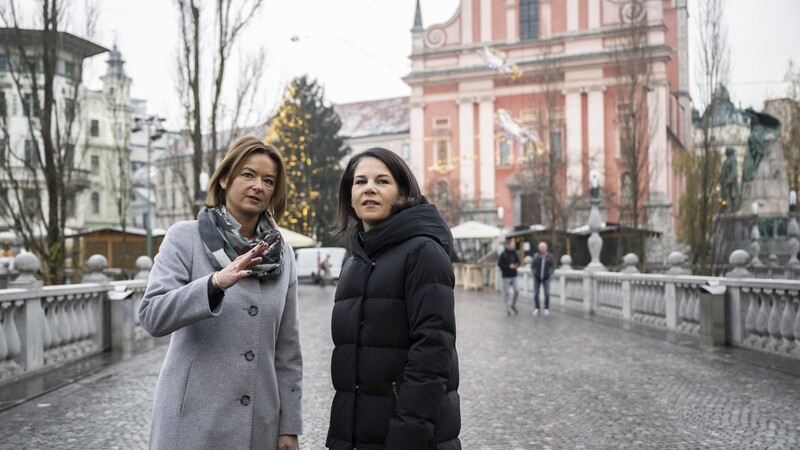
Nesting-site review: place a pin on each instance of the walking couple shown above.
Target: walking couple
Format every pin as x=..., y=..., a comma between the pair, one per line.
x=542, y=268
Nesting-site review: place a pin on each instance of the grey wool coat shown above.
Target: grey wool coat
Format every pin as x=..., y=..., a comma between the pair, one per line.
x=232, y=377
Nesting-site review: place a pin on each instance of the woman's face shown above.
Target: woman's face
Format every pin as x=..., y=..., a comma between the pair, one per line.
x=374, y=191
x=247, y=195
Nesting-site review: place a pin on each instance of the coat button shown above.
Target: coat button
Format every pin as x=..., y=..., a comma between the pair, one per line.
x=249, y=356
x=253, y=310
x=245, y=400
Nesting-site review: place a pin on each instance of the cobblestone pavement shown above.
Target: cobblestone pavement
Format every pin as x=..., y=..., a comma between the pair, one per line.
x=527, y=383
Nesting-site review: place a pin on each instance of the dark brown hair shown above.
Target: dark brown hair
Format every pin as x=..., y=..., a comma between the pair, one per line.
x=406, y=182
x=231, y=165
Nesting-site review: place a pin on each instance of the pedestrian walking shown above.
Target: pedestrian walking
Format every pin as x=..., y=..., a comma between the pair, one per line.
x=225, y=287
x=509, y=262
x=542, y=266
x=325, y=268
x=394, y=364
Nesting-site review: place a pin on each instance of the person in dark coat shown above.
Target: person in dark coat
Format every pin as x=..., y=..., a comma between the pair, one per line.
x=542, y=266
x=394, y=364
x=509, y=262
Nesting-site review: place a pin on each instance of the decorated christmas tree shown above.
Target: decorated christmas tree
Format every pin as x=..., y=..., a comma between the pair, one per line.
x=306, y=130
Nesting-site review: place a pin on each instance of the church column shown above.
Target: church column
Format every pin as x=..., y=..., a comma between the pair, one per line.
x=573, y=119
x=596, y=130
x=417, y=132
x=487, y=163
x=466, y=22
x=572, y=15
x=594, y=14
x=511, y=21
x=466, y=144
x=486, y=20
x=659, y=164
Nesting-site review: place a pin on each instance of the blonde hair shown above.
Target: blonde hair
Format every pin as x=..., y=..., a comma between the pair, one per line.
x=231, y=165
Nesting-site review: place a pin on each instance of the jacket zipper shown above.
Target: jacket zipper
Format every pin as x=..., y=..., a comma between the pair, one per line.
x=394, y=389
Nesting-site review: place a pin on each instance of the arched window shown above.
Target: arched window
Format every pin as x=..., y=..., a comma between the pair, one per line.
x=95, y=203
x=529, y=20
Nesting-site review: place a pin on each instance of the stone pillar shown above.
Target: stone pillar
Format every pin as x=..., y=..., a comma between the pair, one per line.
x=143, y=266
x=675, y=261
x=738, y=260
x=31, y=322
x=594, y=14
x=595, y=225
x=629, y=263
x=95, y=273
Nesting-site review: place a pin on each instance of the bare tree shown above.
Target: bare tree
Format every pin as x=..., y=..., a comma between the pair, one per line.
x=701, y=203
x=633, y=68
x=230, y=19
x=46, y=69
x=790, y=131
x=542, y=163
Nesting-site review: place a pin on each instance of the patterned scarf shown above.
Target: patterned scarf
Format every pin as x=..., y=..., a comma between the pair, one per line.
x=224, y=243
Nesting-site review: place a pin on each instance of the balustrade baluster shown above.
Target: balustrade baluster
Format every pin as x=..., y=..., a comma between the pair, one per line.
x=47, y=335
x=796, y=333
x=774, y=323
x=87, y=319
x=55, y=329
x=763, y=320
x=10, y=330
x=74, y=325
x=64, y=327
x=3, y=343
x=682, y=307
x=787, y=324
x=751, y=318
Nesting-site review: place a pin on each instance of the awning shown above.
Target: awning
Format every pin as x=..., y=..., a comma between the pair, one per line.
x=475, y=230
x=296, y=240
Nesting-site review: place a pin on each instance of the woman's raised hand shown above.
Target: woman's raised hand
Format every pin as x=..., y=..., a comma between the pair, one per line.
x=239, y=268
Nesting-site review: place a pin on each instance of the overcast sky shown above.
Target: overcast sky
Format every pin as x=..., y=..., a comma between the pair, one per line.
x=358, y=49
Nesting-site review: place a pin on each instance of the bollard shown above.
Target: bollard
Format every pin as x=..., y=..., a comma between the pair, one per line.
x=712, y=315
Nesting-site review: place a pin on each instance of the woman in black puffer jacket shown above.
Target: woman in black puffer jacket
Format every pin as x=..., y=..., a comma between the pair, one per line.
x=394, y=365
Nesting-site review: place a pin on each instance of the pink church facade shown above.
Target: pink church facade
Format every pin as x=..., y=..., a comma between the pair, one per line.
x=456, y=140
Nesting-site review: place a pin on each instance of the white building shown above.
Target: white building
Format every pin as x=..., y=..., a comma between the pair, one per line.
x=22, y=155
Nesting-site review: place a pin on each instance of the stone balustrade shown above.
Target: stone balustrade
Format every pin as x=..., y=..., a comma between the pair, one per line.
x=43, y=327
x=759, y=314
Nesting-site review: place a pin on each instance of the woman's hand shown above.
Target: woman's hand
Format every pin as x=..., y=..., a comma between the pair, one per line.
x=288, y=442
x=239, y=268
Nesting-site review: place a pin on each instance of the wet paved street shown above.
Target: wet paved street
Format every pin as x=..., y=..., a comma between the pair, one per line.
x=526, y=383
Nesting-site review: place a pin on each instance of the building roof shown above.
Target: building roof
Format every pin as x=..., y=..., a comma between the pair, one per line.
x=70, y=42
x=374, y=117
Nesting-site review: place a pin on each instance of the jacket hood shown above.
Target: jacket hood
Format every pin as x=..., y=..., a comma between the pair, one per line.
x=420, y=220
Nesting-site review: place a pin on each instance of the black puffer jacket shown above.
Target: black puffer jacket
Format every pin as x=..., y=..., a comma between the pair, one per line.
x=394, y=365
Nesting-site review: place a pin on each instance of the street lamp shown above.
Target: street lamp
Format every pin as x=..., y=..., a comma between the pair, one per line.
x=154, y=132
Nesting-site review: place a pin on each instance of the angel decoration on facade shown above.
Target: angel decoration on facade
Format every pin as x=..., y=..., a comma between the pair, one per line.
x=495, y=62
x=513, y=130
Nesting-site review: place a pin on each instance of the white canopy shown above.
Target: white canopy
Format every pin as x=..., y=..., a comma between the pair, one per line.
x=475, y=230
x=296, y=240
